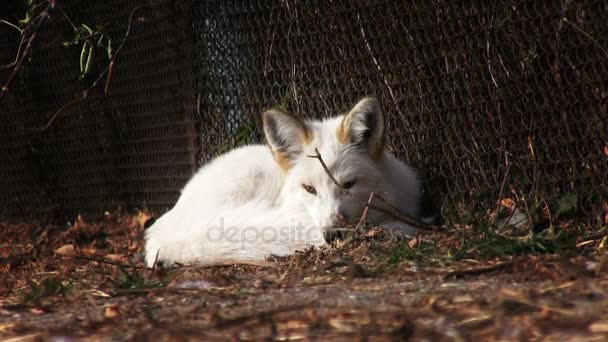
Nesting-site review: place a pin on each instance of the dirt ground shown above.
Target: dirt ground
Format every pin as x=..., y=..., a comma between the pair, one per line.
x=88, y=281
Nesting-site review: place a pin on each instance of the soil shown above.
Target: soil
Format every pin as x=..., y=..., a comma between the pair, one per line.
x=87, y=281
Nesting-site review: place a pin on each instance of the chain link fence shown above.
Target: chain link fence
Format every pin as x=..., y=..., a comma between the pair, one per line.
x=483, y=97
x=134, y=146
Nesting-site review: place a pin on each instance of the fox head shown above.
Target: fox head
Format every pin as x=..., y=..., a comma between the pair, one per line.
x=351, y=146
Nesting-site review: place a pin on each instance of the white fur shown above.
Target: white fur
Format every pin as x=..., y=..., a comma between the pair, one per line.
x=265, y=210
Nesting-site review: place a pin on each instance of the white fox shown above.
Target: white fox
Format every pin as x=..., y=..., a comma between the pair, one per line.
x=262, y=200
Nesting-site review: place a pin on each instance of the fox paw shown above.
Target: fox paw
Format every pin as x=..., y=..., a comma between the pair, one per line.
x=162, y=252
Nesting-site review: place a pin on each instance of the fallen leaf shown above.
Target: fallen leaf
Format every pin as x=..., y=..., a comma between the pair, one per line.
x=111, y=311
x=89, y=251
x=508, y=203
x=142, y=217
x=134, y=246
x=413, y=243
x=100, y=293
x=116, y=257
x=6, y=326
x=599, y=327
x=462, y=299
x=602, y=243
x=66, y=250
x=79, y=223
x=36, y=311
x=349, y=323
x=293, y=324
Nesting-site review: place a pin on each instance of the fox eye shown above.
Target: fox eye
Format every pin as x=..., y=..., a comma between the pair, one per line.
x=349, y=184
x=311, y=189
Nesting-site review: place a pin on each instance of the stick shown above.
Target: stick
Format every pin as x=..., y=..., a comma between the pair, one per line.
x=365, y=210
x=18, y=65
x=104, y=261
x=478, y=270
x=400, y=216
x=318, y=157
x=264, y=315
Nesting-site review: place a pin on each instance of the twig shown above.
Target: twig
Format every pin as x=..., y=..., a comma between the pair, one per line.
x=488, y=54
x=18, y=49
x=227, y=263
x=106, y=88
x=148, y=290
x=155, y=259
x=11, y=25
x=107, y=71
x=596, y=236
x=318, y=157
x=67, y=18
x=104, y=261
x=517, y=298
x=34, y=25
x=26, y=337
x=282, y=277
x=587, y=35
x=56, y=114
x=378, y=67
x=397, y=214
x=478, y=270
x=16, y=56
x=592, y=238
x=225, y=323
x=365, y=210
x=18, y=65
x=474, y=321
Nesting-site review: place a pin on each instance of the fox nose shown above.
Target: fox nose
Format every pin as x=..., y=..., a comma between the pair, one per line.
x=340, y=218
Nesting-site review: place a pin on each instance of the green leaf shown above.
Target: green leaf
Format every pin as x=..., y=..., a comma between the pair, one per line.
x=25, y=20
x=109, y=49
x=83, y=58
x=87, y=66
x=87, y=28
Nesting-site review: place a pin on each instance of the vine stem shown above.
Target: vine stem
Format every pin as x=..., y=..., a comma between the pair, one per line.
x=107, y=71
x=18, y=65
x=35, y=25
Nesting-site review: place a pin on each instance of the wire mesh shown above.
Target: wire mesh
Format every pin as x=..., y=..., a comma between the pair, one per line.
x=483, y=97
x=480, y=95
x=131, y=147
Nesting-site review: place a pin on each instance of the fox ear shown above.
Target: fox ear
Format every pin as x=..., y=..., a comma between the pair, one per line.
x=286, y=136
x=363, y=126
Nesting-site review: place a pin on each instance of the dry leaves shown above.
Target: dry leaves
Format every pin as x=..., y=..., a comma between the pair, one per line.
x=66, y=250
